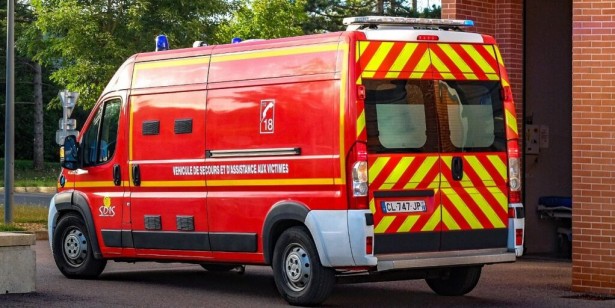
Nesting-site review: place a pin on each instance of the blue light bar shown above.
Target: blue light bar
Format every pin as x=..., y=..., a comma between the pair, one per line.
x=388, y=20
x=236, y=40
x=469, y=23
x=162, y=43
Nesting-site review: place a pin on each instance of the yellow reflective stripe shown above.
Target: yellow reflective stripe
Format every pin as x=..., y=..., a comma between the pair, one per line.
x=494, y=77
x=367, y=74
x=478, y=58
x=454, y=56
x=399, y=170
x=480, y=170
x=499, y=165
x=343, y=89
x=408, y=223
x=198, y=183
x=384, y=224
x=361, y=47
x=511, y=121
x=392, y=74
x=372, y=205
x=377, y=167
x=379, y=56
x=278, y=52
x=361, y=123
x=439, y=65
x=421, y=172
x=461, y=206
x=449, y=221
x=422, y=66
x=276, y=182
x=82, y=184
x=434, y=220
x=499, y=55
x=403, y=57
x=485, y=207
x=500, y=196
x=171, y=63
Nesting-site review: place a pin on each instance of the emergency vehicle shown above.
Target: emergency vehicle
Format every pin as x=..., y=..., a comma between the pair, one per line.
x=388, y=151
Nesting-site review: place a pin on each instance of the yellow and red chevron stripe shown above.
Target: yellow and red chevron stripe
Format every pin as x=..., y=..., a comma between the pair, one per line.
x=478, y=201
x=512, y=131
x=405, y=60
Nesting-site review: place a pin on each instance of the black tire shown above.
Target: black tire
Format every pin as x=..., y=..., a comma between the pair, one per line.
x=459, y=281
x=298, y=273
x=72, y=249
x=219, y=267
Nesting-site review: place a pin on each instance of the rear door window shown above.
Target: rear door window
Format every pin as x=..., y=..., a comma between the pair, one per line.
x=414, y=116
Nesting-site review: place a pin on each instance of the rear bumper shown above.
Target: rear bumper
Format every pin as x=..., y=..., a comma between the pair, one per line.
x=444, y=259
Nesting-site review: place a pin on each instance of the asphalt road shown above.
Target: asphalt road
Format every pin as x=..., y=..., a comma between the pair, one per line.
x=530, y=283
x=33, y=199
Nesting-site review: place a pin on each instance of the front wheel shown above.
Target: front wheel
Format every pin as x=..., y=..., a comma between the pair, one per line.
x=72, y=249
x=459, y=281
x=298, y=273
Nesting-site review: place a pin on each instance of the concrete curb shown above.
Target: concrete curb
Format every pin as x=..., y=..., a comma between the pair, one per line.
x=40, y=235
x=46, y=190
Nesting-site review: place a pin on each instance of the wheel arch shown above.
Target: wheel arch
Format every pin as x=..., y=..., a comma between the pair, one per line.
x=282, y=216
x=76, y=202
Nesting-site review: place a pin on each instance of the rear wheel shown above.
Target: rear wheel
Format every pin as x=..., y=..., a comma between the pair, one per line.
x=458, y=281
x=299, y=275
x=72, y=249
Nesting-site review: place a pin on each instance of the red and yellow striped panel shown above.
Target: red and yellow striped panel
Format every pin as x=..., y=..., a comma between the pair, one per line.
x=478, y=201
x=425, y=61
x=418, y=172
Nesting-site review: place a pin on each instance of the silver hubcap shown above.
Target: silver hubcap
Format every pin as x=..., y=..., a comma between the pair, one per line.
x=297, y=267
x=75, y=247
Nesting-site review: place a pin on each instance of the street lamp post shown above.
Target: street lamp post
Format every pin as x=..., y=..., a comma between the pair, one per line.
x=9, y=127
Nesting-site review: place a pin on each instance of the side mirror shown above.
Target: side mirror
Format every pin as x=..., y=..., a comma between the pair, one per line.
x=70, y=159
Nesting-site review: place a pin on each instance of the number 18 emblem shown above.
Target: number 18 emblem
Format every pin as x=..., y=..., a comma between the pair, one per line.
x=267, y=116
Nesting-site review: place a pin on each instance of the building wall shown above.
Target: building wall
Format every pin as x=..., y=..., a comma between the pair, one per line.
x=593, y=141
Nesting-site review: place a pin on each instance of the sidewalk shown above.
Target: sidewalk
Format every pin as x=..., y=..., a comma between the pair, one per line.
x=46, y=190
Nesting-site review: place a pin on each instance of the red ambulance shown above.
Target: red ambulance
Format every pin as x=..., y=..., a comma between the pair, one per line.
x=388, y=150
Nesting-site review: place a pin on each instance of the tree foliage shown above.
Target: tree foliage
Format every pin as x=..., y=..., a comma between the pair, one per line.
x=85, y=41
x=264, y=19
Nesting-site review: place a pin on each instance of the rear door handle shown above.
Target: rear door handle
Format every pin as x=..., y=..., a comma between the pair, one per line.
x=457, y=168
x=136, y=175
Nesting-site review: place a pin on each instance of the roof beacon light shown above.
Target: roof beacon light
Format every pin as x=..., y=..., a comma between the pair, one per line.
x=388, y=20
x=162, y=43
x=236, y=40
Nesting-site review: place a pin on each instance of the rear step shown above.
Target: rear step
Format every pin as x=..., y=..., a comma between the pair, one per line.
x=444, y=258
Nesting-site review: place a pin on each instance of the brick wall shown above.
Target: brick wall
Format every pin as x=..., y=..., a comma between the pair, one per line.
x=502, y=19
x=593, y=144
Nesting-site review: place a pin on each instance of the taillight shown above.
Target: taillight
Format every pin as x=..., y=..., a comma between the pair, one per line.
x=369, y=245
x=359, y=179
x=512, y=213
x=359, y=188
x=514, y=172
x=519, y=237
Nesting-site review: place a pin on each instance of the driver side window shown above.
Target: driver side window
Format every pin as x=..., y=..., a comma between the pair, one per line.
x=99, y=140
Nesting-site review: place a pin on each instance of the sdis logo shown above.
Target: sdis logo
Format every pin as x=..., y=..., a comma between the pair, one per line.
x=106, y=210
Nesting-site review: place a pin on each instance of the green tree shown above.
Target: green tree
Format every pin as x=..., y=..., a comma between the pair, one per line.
x=264, y=19
x=83, y=42
x=327, y=15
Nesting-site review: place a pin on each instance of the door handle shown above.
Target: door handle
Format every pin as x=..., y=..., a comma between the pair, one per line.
x=457, y=168
x=117, y=175
x=136, y=175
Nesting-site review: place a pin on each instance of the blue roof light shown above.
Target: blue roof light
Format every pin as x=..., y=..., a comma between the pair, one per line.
x=236, y=40
x=162, y=43
x=469, y=23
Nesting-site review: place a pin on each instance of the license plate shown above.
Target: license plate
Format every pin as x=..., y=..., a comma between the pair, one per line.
x=404, y=206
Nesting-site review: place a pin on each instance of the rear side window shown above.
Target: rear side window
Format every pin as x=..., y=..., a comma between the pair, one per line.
x=433, y=115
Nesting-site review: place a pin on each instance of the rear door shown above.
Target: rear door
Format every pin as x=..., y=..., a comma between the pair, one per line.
x=472, y=144
x=400, y=124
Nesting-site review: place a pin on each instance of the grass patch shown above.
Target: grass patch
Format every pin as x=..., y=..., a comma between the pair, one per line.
x=25, y=218
x=26, y=176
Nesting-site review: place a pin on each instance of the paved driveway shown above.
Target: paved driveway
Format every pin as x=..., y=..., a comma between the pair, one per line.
x=526, y=283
